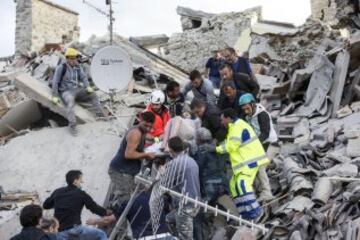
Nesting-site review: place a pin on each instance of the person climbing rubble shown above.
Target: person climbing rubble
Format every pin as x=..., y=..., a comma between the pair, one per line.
x=68, y=203
x=127, y=161
x=238, y=64
x=242, y=81
x=161, y=113
x=231, y=97
x=260, y=120
x=201, y=88
x=212, y=68
x=210, y=118
x=246, y=156
x=212, y=167
x=71, y=84
x=174, y=99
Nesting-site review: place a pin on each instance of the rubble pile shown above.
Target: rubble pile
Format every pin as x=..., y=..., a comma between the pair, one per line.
x=315, y=171
x=291, y=50
x=191, y=48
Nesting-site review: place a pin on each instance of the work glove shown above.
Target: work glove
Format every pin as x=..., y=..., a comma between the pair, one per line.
x=90, y=89
x=55, y=100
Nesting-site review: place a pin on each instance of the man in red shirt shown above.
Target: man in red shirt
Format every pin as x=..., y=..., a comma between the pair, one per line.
x=162, y=115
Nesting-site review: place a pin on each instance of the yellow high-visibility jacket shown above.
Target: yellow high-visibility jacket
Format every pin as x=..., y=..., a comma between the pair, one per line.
x=244, y=148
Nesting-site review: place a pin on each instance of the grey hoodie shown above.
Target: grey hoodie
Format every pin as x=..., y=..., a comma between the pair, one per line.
x=73, y=78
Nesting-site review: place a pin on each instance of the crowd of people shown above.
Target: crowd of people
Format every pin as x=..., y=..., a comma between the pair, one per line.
x=225, y=157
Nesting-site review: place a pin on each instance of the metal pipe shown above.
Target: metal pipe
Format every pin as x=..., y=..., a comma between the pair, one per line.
x=205, y=206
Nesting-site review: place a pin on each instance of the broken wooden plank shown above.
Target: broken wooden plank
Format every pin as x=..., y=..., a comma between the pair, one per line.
x=40, y=92
x=339, y=77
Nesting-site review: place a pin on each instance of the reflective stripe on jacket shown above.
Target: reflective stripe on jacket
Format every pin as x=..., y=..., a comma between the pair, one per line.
x=244, y=148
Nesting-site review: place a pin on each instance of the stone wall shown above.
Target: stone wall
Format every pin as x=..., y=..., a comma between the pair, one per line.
x=191, y=48
x=40, y=21
x=23, y=26
x=333, y=12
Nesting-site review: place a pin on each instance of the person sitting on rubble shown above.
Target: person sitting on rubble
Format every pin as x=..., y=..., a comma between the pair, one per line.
x=201, y=88
x=161, y=113
x=50, y=225
x=210, y=118
x=231, y=97
x=242, y=81
x=68, y=203
x=127, y=161
x=174, y=99
x=238, y=64
x=260, y=120
x=212, y=68
x=139, y=217
x=71, y=84
x=190, y=186
x=246, y=156
x=212, y=167
x=30, y=218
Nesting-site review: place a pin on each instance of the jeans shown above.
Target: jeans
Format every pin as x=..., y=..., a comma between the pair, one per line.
x=71, y=96
x=82, y=233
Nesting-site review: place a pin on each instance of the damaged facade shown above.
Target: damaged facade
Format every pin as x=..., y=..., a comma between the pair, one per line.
x=191, y=48
x=40, y=22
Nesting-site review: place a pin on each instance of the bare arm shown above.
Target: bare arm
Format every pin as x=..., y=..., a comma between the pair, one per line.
x=133, y=140
x=102, y=222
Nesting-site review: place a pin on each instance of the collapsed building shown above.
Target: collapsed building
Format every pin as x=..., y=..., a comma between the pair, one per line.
x=309, y=78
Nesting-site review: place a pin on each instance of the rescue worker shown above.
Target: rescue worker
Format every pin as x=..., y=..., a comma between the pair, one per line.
x=184, y=218
x=257, y=116
x=231, y=97
x=242, y=81
x=201, y=88
x=210, y=118
x=246, y=156
x=161, y=113
x=211, y=166
x=71, y=84
x=68, y=203
x=175, y=100
x=127, y=161
x=238, y=64
x=212, y=68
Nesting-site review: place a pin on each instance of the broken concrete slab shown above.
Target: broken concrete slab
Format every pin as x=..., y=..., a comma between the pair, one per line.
x=340, y=72
x=342, y=170
x=319, y=86
x=262, y=50
x=298, y=204
x=355, y=106
x=343, y=112
x=150, y=41
x=41, y=93
x=353, y=149
x=322, y=191
x=270, y=27
x=19, y=117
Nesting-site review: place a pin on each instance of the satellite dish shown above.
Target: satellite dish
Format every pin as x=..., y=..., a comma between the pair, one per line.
x=111, y=69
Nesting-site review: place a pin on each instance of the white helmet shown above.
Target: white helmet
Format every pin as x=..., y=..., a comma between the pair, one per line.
x=157, y=97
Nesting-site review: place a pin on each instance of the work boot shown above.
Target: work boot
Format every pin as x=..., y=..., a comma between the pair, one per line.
x=73, y=130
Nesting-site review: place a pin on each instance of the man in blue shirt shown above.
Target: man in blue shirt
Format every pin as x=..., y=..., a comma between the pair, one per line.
x=239, y=64
x=212, y=68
